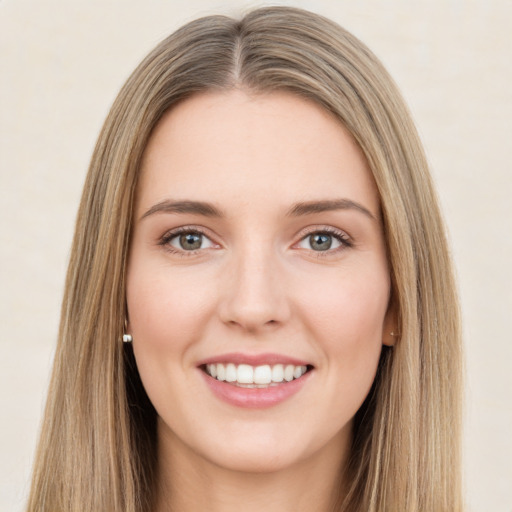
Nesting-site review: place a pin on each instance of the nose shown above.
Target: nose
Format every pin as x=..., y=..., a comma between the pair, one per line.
x=255, y=296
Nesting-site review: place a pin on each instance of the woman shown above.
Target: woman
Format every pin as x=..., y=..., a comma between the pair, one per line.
x=259, y=226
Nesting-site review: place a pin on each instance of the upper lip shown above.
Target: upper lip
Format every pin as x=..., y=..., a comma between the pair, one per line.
x=253, y=359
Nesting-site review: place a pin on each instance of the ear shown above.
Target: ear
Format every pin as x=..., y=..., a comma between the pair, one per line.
x=127, y=327
x=390, y=332
x=127, y=337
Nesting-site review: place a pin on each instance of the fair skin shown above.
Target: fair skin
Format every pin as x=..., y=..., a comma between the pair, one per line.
x=257, y=242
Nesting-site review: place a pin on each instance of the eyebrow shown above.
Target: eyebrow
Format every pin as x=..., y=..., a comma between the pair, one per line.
x=194, y=207
x=299, y=209
x=310, y=207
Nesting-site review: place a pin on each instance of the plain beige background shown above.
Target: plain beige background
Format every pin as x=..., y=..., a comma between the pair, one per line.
x=61, y=65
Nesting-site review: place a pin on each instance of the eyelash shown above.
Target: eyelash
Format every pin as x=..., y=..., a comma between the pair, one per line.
x=340, y=236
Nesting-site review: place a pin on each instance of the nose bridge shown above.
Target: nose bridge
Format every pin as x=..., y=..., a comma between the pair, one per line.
x=255, y=296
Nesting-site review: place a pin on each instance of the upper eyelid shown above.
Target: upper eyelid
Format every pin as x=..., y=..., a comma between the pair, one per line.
x=331, y=230
x=186, y=229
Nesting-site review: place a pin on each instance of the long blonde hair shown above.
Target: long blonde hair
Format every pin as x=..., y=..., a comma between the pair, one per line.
x=97, y=450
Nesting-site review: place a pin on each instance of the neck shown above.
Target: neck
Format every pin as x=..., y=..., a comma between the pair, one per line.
x=189, y=483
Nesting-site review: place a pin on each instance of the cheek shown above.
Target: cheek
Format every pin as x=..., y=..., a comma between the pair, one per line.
x=165, y=308
x=167, y=315
x=347, y=317
x=358, y=303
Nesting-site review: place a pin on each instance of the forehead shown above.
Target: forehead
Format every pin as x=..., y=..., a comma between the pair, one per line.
x=234, y=145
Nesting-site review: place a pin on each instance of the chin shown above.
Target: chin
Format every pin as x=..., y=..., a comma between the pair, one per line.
x=267, y=447
x=257, y=459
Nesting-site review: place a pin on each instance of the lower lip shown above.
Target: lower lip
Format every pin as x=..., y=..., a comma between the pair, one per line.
x=255, y=398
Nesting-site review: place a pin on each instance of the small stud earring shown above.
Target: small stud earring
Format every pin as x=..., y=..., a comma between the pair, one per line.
x=127, y=338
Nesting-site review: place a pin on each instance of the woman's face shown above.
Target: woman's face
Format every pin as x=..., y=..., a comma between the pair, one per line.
x=257, y=255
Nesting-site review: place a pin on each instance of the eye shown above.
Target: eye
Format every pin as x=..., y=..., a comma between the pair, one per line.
x=187, y=240
x=322, y=241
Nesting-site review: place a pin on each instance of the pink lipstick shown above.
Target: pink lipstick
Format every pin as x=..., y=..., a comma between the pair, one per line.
x=255, y=380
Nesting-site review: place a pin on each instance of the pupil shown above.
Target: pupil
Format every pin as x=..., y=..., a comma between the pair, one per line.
x=190, y=241
x=320, y=242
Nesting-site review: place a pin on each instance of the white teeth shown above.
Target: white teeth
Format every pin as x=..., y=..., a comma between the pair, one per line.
x=245, y=374
x=262, y=374
x=212, y=370
x=255, y=376
x=277, y=373
x=221, y=372
x=230, y=373
x=288, y=372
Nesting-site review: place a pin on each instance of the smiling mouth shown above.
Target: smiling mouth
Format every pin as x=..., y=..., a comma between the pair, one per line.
x=261, y=376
